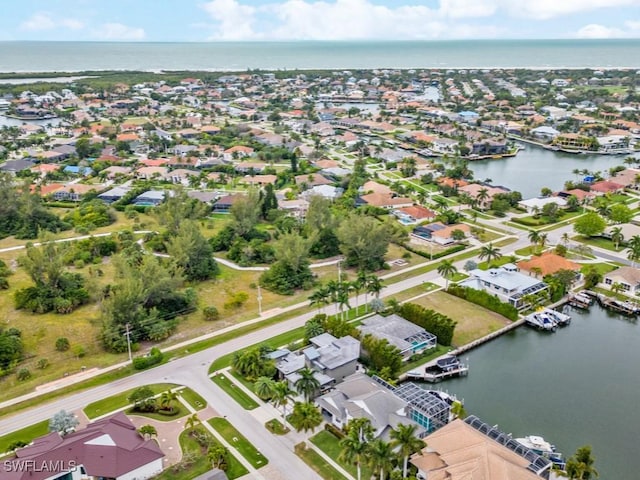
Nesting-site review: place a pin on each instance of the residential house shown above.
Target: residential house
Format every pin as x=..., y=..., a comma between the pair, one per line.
x=250, y=168
x=440, y=233
x=114, y=194
x=260, y=180
x=547, y=264
x=15, y=166
x=414, y=214
x=74, y=192
x=44, y=168
x=151, y=198
x=181, y=175
x=474, y=189
x=606, y=186
x=224, y=204
x=115, y=171
x=78, y=170
x=627, y=277
x=381, y=200
x=489, y=147
x=445, y=146
x=312, y=180
x=326, y=191
x=545, y=133
x=295, y=208
x=473, y=450
x=375, y=187
x=533, y=205
x=151, y=173
x=506, y=282
x=205, y=197
x=408, y=337
x=238, y=151
x=110, y=448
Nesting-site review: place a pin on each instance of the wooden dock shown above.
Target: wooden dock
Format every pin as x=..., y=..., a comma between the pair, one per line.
x=435, y=377
x=626, y=307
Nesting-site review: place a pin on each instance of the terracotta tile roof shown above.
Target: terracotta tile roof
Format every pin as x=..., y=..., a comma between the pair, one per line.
x=548, y=263
x=382, y=200
x=418, y=212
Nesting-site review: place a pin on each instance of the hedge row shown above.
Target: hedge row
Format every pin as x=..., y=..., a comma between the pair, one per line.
x=448, y=251
x=484, y=299
x=438, y=324
x=154, y=358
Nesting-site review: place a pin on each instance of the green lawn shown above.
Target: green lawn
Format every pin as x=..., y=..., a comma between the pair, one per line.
x=193, y=398
x=115, y=402
x=459, y=276
x=600, y=242
x=240, y=443
x=330, y=444
x=495, y=263
x=473, y=321
x=201, y=464
x=25, y=434
x=234, y=392
x=318, y=464
x=276, y=427
x=430, y=355
x=602, y=268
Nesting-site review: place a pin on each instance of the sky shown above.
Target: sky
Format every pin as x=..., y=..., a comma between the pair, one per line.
x=333, y=20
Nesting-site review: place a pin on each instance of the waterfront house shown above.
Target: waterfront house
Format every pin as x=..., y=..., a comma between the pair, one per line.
x=627, y=277
x=535, y=204
x=547, y=264
x=360, y=396
x=110, y=448
x=407, y=337
x=605, y=186
x=505, y=282
x=471, y=449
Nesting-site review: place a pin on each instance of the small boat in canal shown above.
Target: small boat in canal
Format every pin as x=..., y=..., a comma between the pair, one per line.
x=543, y=448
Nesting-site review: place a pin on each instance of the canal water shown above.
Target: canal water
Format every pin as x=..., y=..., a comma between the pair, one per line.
x=536, y=167
x=578, y=386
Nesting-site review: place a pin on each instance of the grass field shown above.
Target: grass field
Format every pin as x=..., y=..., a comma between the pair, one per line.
x=240, y=443
x=234, y=392
x=599, y=242
x=193, y=398
x=330, y=444
x=473, y=321
x=110, y=404
x=318, y=464
x=24, y=434
x=602, y=268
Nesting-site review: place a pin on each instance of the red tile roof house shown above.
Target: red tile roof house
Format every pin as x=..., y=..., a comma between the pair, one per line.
x=606, y=186
x=110, y=448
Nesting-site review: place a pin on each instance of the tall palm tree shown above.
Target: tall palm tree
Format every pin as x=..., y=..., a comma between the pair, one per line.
x=353, y=451
x=363, y=280
x=281, y=396
x=633, y=249
x=334, y=287
x=307, y=384
x=305, y=416
x=403, y=438
x=482, y=197
x=490, y=253
x=380, y=457
x=542, y=240
x=447, y=270
x=343, y=299
x=374, y=285
x=356, y=287
x=617, y=236
x=534, y=237
x=264, y=387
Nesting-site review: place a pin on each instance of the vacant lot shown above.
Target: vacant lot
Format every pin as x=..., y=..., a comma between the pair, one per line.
x=473, y=321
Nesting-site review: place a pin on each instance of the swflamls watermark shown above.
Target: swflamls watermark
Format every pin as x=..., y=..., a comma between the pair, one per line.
x=40, y=466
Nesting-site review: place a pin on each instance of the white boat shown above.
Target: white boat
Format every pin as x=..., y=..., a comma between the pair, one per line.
x=537, y=444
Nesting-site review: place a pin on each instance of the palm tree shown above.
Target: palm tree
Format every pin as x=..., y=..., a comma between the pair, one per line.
x=580, y=465
x=363, y=280
x=306, y=416
x=380, y=457
x=281, y=396
x=617, y=287
x=356, y=286
x=534, y=237
x=403, y=437
x=148, y=431
x=307, y=384
x=343, y=299
x=490, y=253
x=317, y=298
x=633, y=249
x=447, y=270
x=264, y=387
x=353, y=451
x=334, y=287
x=565, y=238
x=192, y=421
x=374, y=285
x=542, y=240
x=616, y=236
x=482, y=197
x=167, y=399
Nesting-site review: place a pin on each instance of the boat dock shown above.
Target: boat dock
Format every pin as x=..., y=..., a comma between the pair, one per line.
x=547, y=319
x=432, y=374
x=626, y=307
x=580, y=299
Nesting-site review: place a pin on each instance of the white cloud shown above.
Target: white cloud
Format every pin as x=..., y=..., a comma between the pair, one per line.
x=544, y=9
x=594, y=30
x=468, y=8
x=234, y=21
x=45, y=21
x=338, y=20
x=118, y=31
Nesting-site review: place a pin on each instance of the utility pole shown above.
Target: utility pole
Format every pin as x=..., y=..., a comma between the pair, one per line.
x=340, y=271
x=259, y=301
x=128, y=335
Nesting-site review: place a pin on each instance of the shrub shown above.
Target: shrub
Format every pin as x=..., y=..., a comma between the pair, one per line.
x=484, y=299
x=155, y=357
x=334, y=430
x=16, y=444
x=43, y=363
x=210, y=313
x=79, y=351
x=4, y=283
x=236, y=301
x=62, y=344
x=24, y=374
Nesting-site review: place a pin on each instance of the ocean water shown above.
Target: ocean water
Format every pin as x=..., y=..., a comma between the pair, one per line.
x=238, y=56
